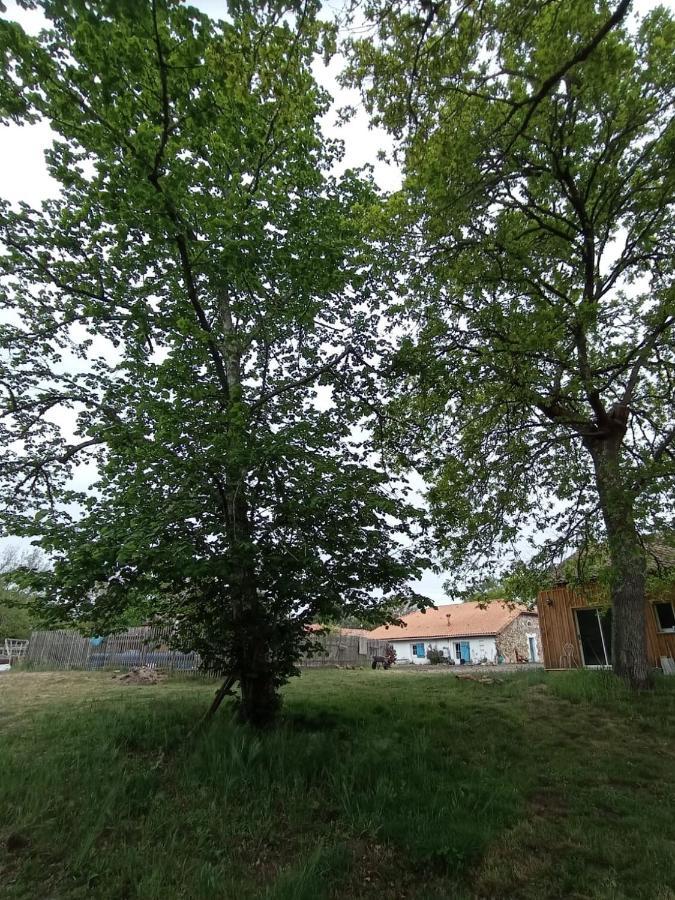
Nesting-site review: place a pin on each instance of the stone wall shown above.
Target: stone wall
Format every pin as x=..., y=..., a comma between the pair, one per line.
x=514, y=637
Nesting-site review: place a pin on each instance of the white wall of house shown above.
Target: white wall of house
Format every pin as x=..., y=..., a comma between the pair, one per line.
x=479, y=648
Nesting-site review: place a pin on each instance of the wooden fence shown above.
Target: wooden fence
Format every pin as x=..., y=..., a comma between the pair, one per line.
x=150, y=646
x=14, y=648
x=344, y=650
x=135, y=647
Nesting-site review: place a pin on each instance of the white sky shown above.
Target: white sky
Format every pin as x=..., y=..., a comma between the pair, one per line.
x=23, y=174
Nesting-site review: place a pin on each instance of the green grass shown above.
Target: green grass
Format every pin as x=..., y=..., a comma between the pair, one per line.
x=378, y=784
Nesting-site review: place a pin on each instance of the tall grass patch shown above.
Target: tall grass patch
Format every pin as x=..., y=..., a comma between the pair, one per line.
x=406, y=784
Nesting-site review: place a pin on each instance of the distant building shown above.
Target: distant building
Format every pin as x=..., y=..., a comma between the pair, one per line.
x=466, y=633
x=576, y=614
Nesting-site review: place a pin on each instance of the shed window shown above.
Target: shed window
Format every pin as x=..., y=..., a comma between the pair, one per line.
x=665, y=616
x=418, y=651
x=594, y=629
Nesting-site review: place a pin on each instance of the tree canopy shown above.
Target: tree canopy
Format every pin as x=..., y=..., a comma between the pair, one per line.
x=182, y=317
x=18, y=616
x=537, y=368
x=209, y=318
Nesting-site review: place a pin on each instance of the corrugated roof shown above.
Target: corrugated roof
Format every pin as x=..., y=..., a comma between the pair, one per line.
x=660, y=556
x=453, y=620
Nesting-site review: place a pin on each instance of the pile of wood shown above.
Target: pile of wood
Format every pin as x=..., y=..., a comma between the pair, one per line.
x=482, y=679
x=141, y=675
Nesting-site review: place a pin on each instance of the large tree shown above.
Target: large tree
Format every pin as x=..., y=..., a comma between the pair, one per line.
x=173, y=315
x=537, y=372
x=17, y=615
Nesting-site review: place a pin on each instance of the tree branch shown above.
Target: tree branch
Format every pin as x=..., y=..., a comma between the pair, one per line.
x=642, y=358
x=664, y=445
x=580, y=56
x=299, y=382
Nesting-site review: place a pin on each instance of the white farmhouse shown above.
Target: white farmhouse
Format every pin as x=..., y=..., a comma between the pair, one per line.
x=466, y=633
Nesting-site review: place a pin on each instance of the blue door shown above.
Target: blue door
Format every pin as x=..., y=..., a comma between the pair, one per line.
x=465, y=651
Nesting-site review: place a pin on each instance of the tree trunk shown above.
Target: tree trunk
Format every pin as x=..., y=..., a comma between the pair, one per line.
x=629, y=639
x=253, y=666
x=252, y=663
x=250, y=660
x=260, y=700
x=628, y=566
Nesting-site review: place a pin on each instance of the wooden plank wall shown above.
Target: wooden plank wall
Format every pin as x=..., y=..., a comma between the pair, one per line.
x=658, y=643
x=557, y=625
x=557, y=629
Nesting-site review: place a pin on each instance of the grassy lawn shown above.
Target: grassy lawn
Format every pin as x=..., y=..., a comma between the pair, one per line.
x=379, y=784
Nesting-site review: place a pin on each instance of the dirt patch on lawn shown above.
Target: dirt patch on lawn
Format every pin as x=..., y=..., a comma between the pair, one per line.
x=548, y=804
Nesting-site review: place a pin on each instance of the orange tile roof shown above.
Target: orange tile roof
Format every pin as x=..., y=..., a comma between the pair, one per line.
x=453, y=620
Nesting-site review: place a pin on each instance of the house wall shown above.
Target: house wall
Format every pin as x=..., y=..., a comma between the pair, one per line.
x=514, y=637
x=480, y=647
x=558, y=627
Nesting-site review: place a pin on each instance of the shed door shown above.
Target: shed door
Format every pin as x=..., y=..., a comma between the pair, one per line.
x=465, y=651
x=595, y=636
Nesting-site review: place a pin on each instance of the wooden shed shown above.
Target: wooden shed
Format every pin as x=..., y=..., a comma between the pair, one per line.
x=576, y=627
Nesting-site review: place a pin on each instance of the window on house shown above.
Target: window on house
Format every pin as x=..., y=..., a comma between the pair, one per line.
x=418, y=651
x=458, y=651
x=665, y=616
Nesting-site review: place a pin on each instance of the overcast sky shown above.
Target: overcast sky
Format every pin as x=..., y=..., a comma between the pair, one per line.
x=23, y=174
